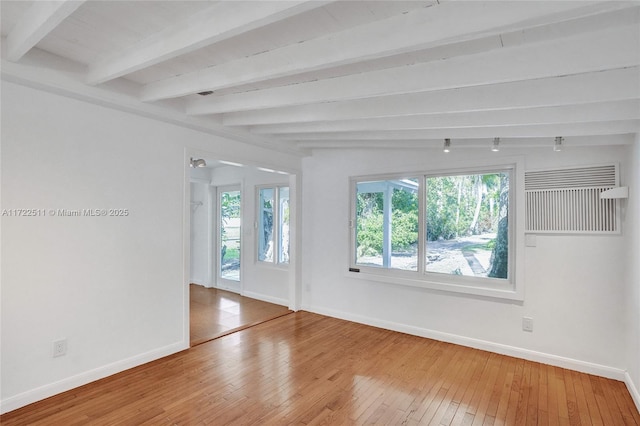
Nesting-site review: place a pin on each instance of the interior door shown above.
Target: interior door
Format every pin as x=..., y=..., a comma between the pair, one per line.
x=229, y=238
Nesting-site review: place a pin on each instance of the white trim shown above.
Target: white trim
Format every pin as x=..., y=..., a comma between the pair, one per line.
x=266, y=298
x=51, y=389
x=295, y=241
x=499, y=348
x=186, y=250
x=633, y=389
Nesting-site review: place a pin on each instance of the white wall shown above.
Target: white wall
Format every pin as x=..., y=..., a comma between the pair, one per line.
x=200, y=229
x=574, y=284
x=632, y=289
x=114, y=287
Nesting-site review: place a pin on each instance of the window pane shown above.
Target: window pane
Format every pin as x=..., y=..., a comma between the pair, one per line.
x=467, y=225
x=387, y=224
x=283, y=226
x=230, y=235
x=265, y=225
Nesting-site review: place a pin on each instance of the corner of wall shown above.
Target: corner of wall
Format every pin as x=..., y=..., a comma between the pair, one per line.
x=632, y=219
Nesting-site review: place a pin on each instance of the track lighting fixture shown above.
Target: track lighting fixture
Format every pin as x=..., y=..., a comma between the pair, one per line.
x=496, y=145
x=195, y=163
x=558, y=144
x=447, y=145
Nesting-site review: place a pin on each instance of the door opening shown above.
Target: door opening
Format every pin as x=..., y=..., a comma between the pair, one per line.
x=229, y=238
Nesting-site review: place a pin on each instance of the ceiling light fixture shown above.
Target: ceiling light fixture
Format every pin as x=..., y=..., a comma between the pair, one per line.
x=447, y=145
x=496, y=145
x=196, y=163
x=558, y=144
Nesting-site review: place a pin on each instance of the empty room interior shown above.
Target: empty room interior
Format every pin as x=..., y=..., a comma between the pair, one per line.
x=434, y=205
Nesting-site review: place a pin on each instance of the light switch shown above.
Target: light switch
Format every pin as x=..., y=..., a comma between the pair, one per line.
x=530, y=240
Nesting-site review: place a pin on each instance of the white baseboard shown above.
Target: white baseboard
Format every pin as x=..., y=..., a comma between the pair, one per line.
x=633, y=389
x=266, y=298
x=51, y=389
x=545, y=358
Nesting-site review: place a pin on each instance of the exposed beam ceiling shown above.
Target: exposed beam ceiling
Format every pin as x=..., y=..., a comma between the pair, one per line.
x=497, y=66
x=611, y=85
x=41, y=18
x=219, y=22
x=300, y=74
x=399, y=34
x=583, y=113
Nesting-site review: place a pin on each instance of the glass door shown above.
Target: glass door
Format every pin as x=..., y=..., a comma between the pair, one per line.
x=229, y=220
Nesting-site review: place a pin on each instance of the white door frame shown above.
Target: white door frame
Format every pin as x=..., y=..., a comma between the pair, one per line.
x=225, y=283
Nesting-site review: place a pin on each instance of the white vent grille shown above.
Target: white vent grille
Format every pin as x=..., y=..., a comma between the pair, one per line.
x=571, y=178
x=568, y=200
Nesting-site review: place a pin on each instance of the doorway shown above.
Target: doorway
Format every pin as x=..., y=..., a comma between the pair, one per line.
x=223, y=250
x=229, y=230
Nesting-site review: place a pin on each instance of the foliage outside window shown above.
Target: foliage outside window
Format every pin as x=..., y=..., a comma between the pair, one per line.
x=451, y=229
x=230, y=235
x=273, y=224
x=387, y=224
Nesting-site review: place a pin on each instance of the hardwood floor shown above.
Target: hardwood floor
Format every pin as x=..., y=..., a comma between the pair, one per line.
x=215, y=313
x=305, y=368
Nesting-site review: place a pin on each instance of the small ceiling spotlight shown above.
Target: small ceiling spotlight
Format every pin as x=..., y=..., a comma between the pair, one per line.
x=558, y=144
x=496, y=145
x=447, y=145
x=196, y=163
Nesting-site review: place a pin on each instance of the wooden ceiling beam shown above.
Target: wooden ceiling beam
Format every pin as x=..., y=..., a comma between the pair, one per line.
x=220, y=22
x=584, y=113
x=612, y=85
x=422, y=28
x=38, y=21
x=519, y=131
x=616, y=48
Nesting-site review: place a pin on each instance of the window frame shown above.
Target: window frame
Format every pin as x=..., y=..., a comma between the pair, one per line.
x=511, y=288
x=277, y=238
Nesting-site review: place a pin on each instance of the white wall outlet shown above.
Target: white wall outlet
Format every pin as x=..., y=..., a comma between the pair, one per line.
x=527, y=324
x=59, y=348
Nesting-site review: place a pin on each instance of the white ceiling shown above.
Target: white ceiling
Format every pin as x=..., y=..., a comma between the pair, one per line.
x=307, y=74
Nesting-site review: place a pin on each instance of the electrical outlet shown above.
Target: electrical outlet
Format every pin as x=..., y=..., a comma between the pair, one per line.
x=59, y=348
x=527, y=324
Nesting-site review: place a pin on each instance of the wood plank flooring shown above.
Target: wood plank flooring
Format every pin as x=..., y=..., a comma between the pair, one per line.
x=310, y=369
x=215, y=313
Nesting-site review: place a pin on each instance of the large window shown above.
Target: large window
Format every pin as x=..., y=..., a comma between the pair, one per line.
x=387, y=223
x=448, y=229
x=467, y=225
x=273, y=224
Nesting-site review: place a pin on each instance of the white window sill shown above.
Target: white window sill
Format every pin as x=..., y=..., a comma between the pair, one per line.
x=504, y=291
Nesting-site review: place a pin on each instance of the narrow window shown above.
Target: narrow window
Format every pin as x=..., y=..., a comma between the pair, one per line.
x=265, y=224
x=283, y=224
x=230, y=232
x=273, y=225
